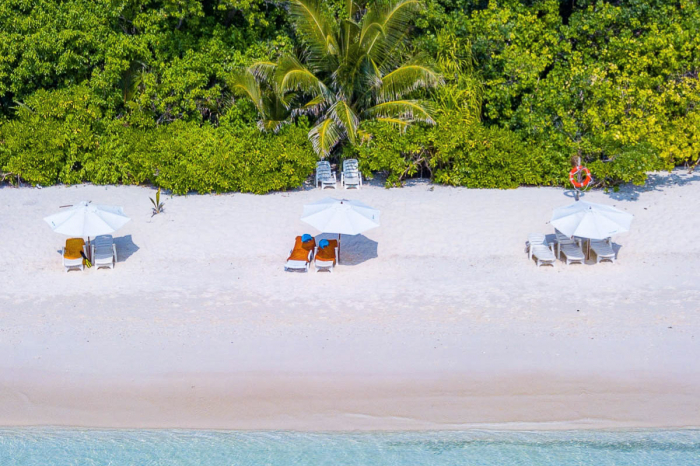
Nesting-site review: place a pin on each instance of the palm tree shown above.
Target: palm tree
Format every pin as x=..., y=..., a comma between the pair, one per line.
x=350, y=70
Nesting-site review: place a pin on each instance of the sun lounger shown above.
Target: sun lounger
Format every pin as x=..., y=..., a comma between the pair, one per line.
x=603, y=250
x=327, y=257
x=104, y=252
x=542, y=254
x=572, y=252
x=324, y=176
x=72, y=259
x=534, y=239
x=563, y=240
x=301, y=255
x=321, y=166
x=351, y=176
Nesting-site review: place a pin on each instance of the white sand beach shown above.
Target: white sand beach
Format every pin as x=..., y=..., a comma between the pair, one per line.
x=435, y=320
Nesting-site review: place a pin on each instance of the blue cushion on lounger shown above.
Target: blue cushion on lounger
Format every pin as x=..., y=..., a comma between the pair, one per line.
x=323, y=243
x=306, y=238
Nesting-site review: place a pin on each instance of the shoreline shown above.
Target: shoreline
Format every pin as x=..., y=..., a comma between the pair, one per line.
x=435, y=321
x=322, y=404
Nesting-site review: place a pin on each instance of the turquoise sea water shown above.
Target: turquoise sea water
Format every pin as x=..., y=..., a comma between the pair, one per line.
x=77, y=447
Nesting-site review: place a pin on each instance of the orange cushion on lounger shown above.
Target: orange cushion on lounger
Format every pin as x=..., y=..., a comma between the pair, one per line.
x=301, y=249
x=73, y=248
x=327, y=253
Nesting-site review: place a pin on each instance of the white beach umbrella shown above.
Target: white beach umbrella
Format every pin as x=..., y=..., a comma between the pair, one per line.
x=86, y=219
x=591, y=221
x=341, y=216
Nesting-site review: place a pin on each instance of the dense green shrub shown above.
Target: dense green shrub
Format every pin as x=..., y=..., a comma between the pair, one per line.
x=63, y=139
x=460, y=154
x=490, y=157
x=399, y=155
x=139, y=91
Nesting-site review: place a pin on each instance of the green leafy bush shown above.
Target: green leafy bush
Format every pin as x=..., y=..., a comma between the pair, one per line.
x=490, y=157
x=460, y=154
x=63, y=139
x=139, y=91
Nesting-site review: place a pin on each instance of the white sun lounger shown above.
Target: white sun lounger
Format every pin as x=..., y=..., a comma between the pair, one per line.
x=324, y=176
x=562, y=240
x=298, y=265
x=325, y=264
x=104, y=252
x=572, y=252
x=351, y=176
x=72, y=263
x=603, y=251
x=542, y=254
x=534, y=239
x=321, y=166
x=69, y=264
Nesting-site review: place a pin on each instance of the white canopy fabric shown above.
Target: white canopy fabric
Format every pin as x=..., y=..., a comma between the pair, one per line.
x=341, y=216
x=590, y=220
x=85, y=220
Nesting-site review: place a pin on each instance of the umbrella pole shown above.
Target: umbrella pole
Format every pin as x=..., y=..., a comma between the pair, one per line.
x=339, y=248
x=588, y=250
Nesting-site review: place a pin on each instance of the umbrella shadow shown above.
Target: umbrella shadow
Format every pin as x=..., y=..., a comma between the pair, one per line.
x=125, y=247
x=354, y=250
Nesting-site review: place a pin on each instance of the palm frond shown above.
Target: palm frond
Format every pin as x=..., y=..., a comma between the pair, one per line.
x=393, y=18
x=314, y=106
x=291, y=75
x=406, y=110
x=403, y=124
x=370, y=33
x=315, y=28
x=263, y=70
x=269, y=125
x=345, y=117
x=350, y=7
x=243, y=82
x=350, y=29
x=324, y=136
x=407, y=79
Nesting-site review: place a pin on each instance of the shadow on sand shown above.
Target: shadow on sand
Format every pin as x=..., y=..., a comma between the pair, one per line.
x=655, y=182
x=354, y=250
x=125, y=247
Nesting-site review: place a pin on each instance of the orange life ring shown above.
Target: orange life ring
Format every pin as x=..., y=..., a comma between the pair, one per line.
x=572, y=176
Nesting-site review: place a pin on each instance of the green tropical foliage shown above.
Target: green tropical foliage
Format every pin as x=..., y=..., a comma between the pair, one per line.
x=488, y=93
x=353, y=69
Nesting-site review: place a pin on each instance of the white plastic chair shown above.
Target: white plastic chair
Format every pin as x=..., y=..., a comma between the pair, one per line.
x=104, y=252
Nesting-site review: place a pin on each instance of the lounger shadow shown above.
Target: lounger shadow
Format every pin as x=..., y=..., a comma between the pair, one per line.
x=125, y=248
